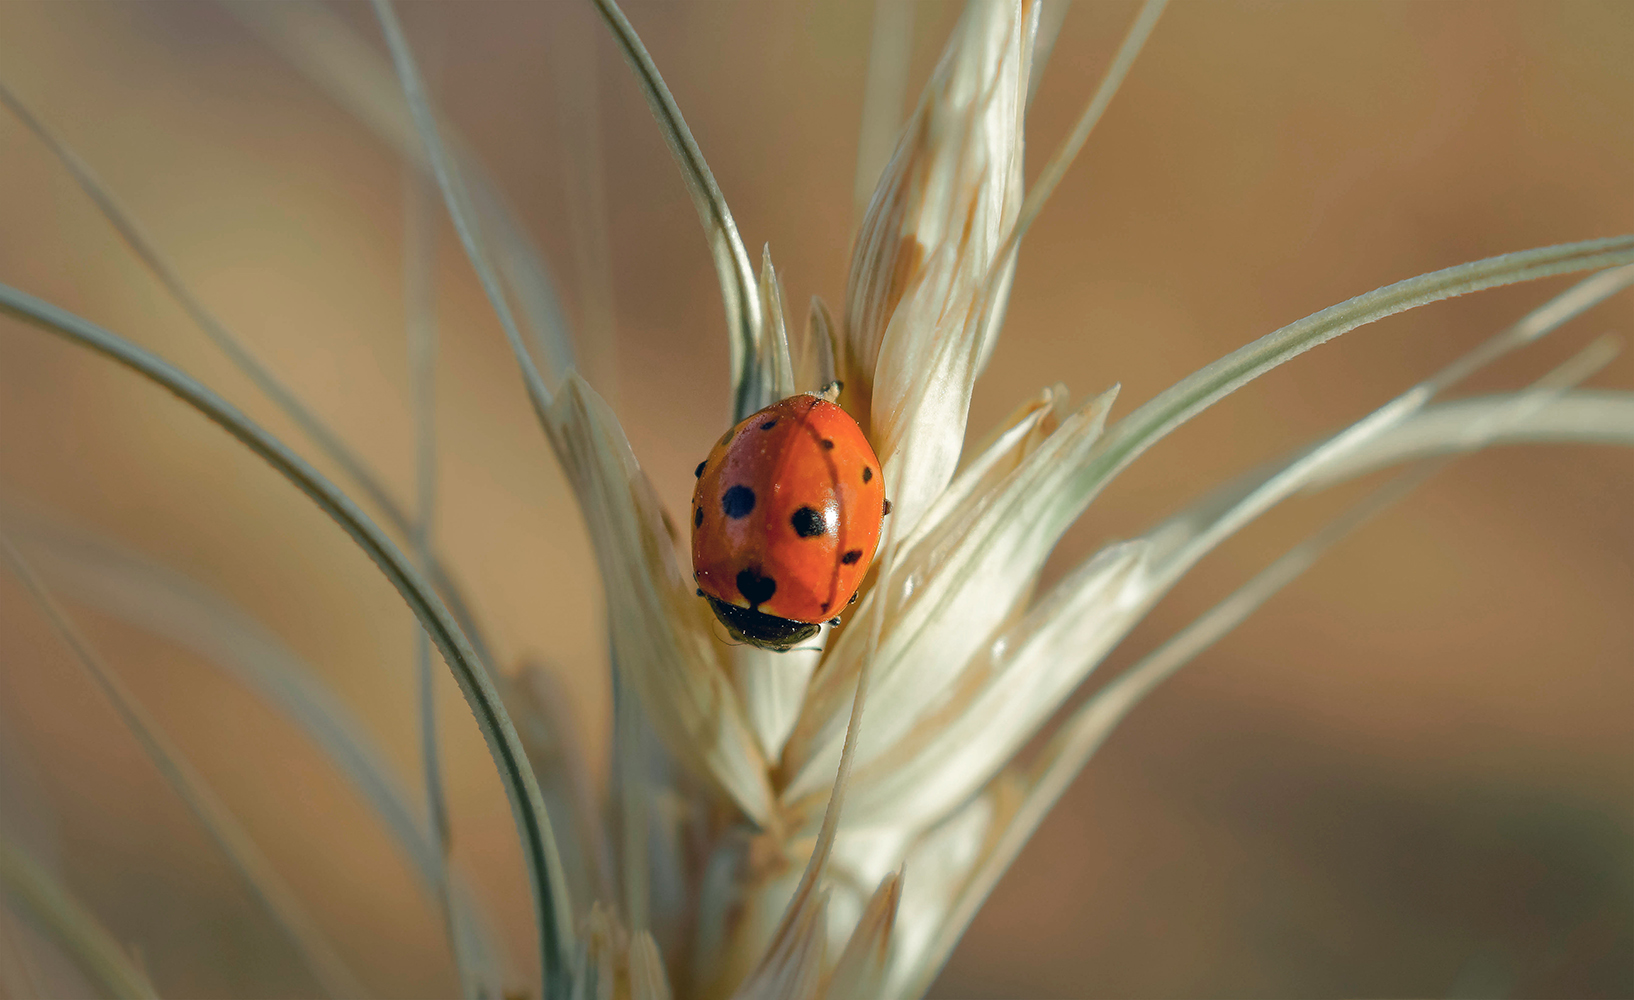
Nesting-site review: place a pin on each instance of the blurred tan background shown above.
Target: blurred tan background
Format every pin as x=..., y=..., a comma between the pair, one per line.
x=1410, y=774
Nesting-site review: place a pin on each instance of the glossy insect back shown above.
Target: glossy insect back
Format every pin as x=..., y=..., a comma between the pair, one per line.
x=786, y=516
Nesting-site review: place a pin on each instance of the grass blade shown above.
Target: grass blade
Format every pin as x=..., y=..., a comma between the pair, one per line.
x=457, y=199
x=737, y=275
x=995, y=287
x=1070, y=748
x=170, y=279
x=551, y=906
x=147, y=252
x=571, y=52
x=1586, y=416
x=1055, y=168
x=235, y=842
x=1135, y=433
x=334, y=58
x=58, y=914
x=151, y=597
x=420, y=311
x=1514, y=416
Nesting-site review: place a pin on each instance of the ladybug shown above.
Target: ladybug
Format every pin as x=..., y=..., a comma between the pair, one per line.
x=786, y=516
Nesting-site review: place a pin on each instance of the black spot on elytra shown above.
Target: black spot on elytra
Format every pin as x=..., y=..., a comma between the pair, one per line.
x=756, y=589
x=867, y=473
x=698, y=518
x=738, y=502
x=768, y=425
x=809, y=522
x=699, y=471
x=828, y=445
x=851, y=557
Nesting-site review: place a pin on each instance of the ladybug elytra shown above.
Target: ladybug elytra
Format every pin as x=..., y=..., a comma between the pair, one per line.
x=786, y=516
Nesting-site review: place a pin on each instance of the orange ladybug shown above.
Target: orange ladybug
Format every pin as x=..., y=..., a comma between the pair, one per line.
x=785, y=519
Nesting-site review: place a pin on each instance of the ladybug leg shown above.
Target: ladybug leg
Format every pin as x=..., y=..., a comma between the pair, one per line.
x=834, y=621
x=831, y=391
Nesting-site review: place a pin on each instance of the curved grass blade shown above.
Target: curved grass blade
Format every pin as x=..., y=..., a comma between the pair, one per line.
x=1182, y=540
x=334, y=58
x=1586, y=416
x=995, y=286
x=538, y=699
x=235, y=842
x=571, y=51
x=59, y=915
x=737, y=276
x=1070, y=747
x=148, y=254
x=170, y=279
x=1533, y=414
x=893, y=783
x=457, y=198
x=1055, y=168
x=1198, y=530
x=1060, y=640
x=1130, y=437
x=420, y=310
x=151, y=597
x=551, y=906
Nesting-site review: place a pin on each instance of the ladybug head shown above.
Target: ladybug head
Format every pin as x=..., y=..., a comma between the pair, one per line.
x=760, y=629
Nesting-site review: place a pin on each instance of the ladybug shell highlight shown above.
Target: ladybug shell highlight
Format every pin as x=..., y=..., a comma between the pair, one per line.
x=785, y=519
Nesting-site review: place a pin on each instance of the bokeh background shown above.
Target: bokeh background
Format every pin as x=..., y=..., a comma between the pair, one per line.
x=1409, y=774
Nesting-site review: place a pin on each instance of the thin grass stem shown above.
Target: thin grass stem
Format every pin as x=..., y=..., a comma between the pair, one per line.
x=333, y=57
x=1075, y=742
x=1131, y=436
x=235, y=842
x=420, y=320
x=1056, y=167
x=55, y=911
x=739, y=295
x=130, y=588
x=457, y=199
x=571, y=51
x=148, y=254
x=552, y=908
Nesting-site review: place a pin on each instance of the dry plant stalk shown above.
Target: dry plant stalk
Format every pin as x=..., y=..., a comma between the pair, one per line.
x=826, y=822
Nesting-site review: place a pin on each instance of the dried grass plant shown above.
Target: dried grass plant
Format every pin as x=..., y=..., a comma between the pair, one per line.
x=689, y=818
